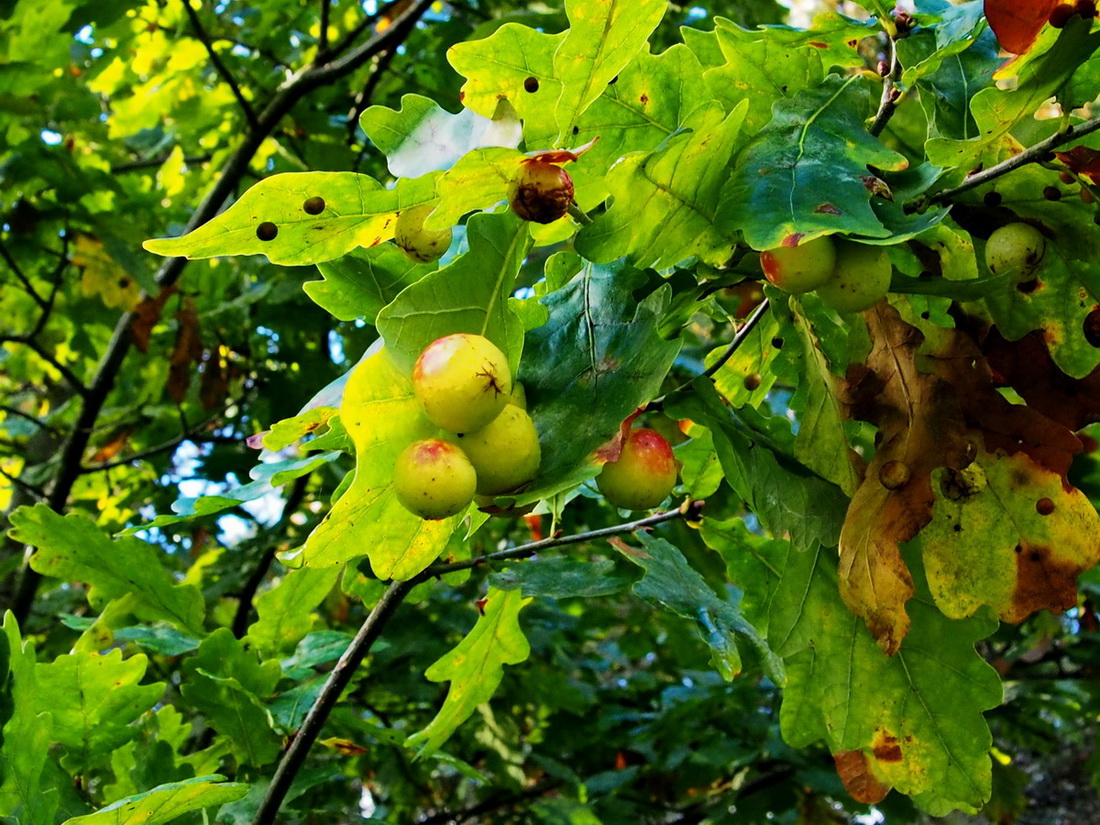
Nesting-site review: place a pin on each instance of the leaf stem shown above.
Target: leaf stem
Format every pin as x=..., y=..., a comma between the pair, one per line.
x=1033, y=154
x=579, y=215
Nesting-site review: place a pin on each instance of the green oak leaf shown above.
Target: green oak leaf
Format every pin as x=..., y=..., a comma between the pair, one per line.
x=479, y=180
x=167, y=802
x=421, y=137
x=603, y=37
x=761, y=67
x=558, y=577
x=357, y=212
x=787, y=497
x=286, y=612
x=26, y=791
x=915, y=717
x=226, y=682
x=475, y=667
x=596, y=360
x=666, y=201
x=360, y=283
x=470, y=295
x=93, y=699
x=672, y=583
x=650, y=99
x=73, y=548
x=515, y=63
x=754, y=564
x=806, y=173
x=382, y=416
x=997, y=111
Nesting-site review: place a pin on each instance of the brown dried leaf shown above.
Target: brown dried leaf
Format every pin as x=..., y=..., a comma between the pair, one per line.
x=148, y=313
x=920, y=429
x=854, y=770
x=187, y=352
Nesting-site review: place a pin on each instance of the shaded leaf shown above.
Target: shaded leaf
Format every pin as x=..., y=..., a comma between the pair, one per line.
x=672, y=583
x=360, y=283
x=916, y=718
x=74, y=548
x=596, y=360
x=561, y=578
x=25, y=793
x=226, y=683
x=93, y=699
x=475, y=667
x=806, y=173
x=286, y=610
x=357, y=211
x=166, y=802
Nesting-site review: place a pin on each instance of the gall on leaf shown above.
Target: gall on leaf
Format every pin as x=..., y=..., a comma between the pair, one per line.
x=1017, y=23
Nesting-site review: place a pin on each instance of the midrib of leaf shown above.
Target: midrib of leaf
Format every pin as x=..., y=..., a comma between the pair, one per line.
x=935, y=726
x=802, y=136
x=521, y=229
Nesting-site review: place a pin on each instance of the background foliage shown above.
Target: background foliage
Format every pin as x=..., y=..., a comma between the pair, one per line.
x=179, y=440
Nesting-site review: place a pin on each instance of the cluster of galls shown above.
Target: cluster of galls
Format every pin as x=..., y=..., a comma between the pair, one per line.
x=464, y=385
x=848, y=276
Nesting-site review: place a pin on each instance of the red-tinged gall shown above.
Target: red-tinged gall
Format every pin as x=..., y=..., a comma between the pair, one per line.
x=433, y=479
x=540, y=191
x=797, y=269
x=644, y=474
x=462, y=382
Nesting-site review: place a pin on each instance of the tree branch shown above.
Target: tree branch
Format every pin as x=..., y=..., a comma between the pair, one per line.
x=23, y=279
x=219, y=66
x=1032, y=154
x=29, y=489
x=890, y=92
x=322, y=40
x=295, y=755
x=282, y=102
x=494, y=804
x=9, y=410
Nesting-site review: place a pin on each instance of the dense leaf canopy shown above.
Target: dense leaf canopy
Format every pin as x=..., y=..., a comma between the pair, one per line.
x=871, y=591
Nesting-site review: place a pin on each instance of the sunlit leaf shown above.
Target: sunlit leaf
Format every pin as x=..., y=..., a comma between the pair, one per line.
x=166, y=802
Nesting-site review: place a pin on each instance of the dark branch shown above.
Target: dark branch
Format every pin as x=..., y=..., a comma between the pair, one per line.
x=295, y=755
x=220, y=67
x=322, y=41
x=9, y=410
x=489, y=805
x=281, y=103
x=152, y=163
x=1033, y=154
x=29, y=489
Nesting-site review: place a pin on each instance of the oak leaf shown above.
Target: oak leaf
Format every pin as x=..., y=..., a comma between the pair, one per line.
x=1017, y=23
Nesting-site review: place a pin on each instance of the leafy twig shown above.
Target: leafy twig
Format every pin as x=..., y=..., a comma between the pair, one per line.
x=294, y=89
x=341, y=675
x=1032, y=154
x=220, y=67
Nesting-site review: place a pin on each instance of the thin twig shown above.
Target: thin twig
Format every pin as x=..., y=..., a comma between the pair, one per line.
x=738, y=339
x=395, y=593
x=30, y=489
x=55, y=287
x=150, y=163
x=220, y=67
x=1032, y=154
x=890, y=92
x=363, y=25
x=5, y=408
x=494, y=804
x=689, y=508
x=294, y=89
x=191, y=435
x=362, y=100
x=23, y=279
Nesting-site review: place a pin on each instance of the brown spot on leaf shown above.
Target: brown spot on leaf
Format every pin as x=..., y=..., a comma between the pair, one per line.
x=1042, y=582
x=644, y=99
x=1044, y=507
x=267, y=231
x=314, y=205
x=854, y=771
x=531, y=85
x=827, y=209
